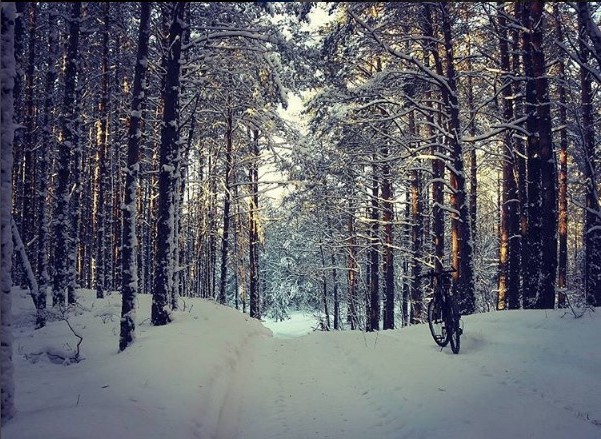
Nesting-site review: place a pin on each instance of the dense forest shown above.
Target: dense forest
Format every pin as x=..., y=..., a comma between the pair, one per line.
x=152, y=151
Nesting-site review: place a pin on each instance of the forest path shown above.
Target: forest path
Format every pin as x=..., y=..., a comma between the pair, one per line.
x=398, y=384
x=309, y=387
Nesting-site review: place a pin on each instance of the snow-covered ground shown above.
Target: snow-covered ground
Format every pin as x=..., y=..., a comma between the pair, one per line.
x=215, y=373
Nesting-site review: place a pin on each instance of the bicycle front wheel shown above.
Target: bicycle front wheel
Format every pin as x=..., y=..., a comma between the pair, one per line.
x=437, y=322
x=453, y=328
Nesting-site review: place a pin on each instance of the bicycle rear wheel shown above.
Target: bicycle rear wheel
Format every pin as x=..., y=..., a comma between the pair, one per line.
x=453, y=328
x=437, y=322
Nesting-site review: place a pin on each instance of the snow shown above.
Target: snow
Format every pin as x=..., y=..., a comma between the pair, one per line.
x=216, y=373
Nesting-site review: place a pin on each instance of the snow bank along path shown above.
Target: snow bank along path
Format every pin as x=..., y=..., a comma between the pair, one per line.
x=215, y=373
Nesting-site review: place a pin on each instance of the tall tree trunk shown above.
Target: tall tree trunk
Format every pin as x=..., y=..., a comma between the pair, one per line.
x=546, y=294
x=255, y=297
x=562, y=267
x=473, y=159
x=103, y=122
x=30, y=135
x=335, y=293
x=7, y=132
x=47, y=146
x=520, y=158
x=461, y=236
x=129, y=278
x=417, y=236
x=509, y=254
x=352, y=272
x=388, y=218
x=324, y=283
x=374, y=251
x=541, y=233
x=226, y=208
x=63, y=233
x=163, y=284
x=592, y=216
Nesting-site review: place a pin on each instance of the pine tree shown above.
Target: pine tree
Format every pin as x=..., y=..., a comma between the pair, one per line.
x=129, y=279
x=163, y=287
x=64, y=259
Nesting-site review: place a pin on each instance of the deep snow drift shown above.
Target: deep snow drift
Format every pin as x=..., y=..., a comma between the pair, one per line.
x=216, y=373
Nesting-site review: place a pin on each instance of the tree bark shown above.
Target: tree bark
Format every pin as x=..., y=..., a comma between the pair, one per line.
x=374, y=251
x=592, y=216
x=461, y=236
x=129, y=279
x=388, y=218
x=163, y=283
x=562, y=267
x=63, y=233
x=509, y=252
x=254, y=292
x=226, y=209
x=47, y=146
x=542, y=230
x=352, y=272
x=102, y=127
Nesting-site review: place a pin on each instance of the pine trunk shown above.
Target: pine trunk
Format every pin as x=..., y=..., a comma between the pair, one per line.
x=352, y=272
x=102, y=127
x=562, y=268
x=63, y=232
x=47, y=146
x=163, y=283
x=374, y=252
x=253, y=237
x=226, y=209
x=592, y=216
x=461, y=236
x=388, y=218
x=509, y=254
x=129, y=279
x=546, y=293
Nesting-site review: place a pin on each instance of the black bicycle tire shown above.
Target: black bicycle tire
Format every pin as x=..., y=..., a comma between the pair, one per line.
x=454, y=334
x=439, y=340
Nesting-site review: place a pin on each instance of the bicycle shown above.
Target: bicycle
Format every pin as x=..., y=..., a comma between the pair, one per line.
x=443, y=312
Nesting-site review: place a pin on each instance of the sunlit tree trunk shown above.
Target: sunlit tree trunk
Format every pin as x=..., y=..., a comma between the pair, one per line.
x=562, y=267
x=592, y=218
x=461, y=236
x=509, y=253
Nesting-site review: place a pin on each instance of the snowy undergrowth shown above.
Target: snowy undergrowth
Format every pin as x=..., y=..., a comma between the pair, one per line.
x=216, y=373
